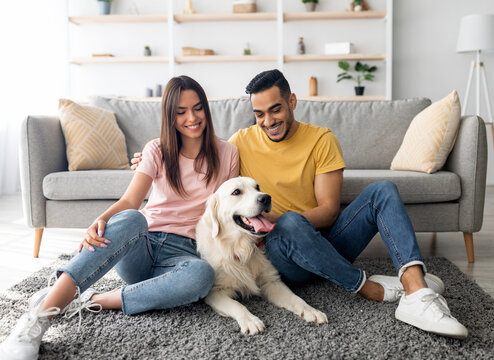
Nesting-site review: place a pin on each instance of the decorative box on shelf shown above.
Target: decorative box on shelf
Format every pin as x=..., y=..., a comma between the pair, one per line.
x=190, y=51
x=244, y=6
x=338, y=48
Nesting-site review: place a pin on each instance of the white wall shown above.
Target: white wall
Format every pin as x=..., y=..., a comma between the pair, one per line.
x=32, y=73
x=425, y=58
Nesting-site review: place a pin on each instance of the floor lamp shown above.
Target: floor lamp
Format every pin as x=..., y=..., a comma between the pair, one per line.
x=477, y=35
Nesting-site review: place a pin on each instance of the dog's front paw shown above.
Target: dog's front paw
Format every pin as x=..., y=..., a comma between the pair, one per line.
x=310, y=314
x=251, y=324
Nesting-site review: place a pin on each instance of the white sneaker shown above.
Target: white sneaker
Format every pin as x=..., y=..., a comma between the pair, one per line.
x=429, y=311
x=393, y=288
x=24, y=340
x=83, y=302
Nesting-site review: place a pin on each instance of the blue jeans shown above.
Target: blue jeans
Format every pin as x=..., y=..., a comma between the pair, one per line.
x=162, y=270
x=299, y=251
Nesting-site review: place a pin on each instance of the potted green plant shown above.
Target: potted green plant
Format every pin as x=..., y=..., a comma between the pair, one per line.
x=360, y=73
x=310, y=5
x=104, y=6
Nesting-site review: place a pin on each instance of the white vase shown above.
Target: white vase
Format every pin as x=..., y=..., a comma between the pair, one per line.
x=104, y=7
x=310, y=6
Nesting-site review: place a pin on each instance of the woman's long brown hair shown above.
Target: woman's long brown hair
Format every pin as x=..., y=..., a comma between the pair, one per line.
x=171, y=141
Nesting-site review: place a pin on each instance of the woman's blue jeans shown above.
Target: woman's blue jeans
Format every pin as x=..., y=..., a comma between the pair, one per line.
x=162, y=270
x=299, y=251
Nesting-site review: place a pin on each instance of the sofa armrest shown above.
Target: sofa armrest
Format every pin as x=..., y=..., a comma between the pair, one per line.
x=468, y=160
x=42, y=151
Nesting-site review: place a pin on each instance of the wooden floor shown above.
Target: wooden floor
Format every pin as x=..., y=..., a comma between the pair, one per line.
x=17, y=262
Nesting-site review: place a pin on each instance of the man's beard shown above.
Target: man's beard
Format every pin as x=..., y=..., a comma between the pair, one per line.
x=286, y=132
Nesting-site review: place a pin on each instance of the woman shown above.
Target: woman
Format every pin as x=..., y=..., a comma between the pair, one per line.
x=153, y=250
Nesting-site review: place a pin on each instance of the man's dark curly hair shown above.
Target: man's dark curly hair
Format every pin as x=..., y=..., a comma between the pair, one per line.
x=268, y=79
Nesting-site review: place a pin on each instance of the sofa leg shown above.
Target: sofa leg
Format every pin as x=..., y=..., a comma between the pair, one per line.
x=468, y=237
x=433, y=244
x=38, y=234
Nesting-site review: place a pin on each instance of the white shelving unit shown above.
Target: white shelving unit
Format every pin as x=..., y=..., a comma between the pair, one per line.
x=175, y=21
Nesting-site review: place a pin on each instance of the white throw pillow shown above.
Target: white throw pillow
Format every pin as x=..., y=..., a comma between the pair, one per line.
x=430, y=137
x=92, y=137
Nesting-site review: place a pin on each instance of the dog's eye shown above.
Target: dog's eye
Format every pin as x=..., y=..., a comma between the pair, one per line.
x=236, y=192
x=258, y=187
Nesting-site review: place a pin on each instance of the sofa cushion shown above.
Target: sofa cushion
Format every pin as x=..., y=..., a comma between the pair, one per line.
x=82, y=185
x=430, y=137
x=414, y=187
x=92, y=137
x=140, y=120
x=231, y=115
x=378, y=127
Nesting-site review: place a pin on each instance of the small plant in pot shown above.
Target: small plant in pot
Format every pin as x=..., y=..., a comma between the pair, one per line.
x=310, y=5
x=360, y=73
x=104, y=7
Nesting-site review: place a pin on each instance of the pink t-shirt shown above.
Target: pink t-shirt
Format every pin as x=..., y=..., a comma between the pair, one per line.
x=166, y=211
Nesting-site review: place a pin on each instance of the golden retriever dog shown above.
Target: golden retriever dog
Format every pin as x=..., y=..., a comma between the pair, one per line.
x=229, y=237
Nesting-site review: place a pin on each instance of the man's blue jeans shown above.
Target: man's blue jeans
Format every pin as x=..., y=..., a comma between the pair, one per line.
x=162, y=270
x=299, y=251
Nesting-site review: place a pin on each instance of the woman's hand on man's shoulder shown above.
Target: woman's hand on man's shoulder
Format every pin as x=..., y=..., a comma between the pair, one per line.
x=136, y=160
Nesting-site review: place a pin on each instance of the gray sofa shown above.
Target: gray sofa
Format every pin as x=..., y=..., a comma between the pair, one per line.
x=370, y=134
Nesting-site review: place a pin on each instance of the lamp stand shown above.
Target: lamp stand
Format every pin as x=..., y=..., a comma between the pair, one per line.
x=480, y=71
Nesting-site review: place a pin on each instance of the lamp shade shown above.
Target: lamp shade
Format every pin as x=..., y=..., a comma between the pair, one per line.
x=476, y=33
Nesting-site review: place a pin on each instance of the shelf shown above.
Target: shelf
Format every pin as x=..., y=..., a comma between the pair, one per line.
x=115, y=19
x=221, y=58
x=120, y=60
x=344, y=98
x=204, y=17
x=224, y=58
x=333, y=15
x=315, y=57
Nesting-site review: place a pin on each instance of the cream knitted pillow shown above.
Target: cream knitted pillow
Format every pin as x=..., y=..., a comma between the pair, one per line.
x=430, y=137
x=92, y=137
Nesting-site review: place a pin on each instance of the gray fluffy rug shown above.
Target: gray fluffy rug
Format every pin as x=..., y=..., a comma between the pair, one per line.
x=357, y=328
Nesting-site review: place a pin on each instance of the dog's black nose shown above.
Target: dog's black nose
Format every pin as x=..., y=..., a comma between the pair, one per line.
x=264, y=199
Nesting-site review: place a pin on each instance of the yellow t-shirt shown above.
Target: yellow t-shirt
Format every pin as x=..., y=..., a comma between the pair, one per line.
x=286, y=169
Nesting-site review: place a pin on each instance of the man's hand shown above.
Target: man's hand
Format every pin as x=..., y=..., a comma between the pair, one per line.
x=136, y=160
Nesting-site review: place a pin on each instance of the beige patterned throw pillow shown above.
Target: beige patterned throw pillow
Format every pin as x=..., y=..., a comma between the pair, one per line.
x=430, y=137
x=92, y=137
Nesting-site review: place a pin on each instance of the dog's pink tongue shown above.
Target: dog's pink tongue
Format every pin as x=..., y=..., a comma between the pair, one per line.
x=260, y=223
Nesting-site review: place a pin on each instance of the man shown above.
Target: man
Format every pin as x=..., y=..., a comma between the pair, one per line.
x=301, y=167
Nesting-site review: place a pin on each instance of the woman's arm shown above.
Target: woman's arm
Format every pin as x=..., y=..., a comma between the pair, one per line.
x=235, y=165
x=132, y=199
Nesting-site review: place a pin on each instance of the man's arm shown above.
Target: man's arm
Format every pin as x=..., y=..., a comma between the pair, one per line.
x=327, y=188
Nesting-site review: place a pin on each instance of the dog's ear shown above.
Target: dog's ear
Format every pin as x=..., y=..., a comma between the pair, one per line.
x=211, y=216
